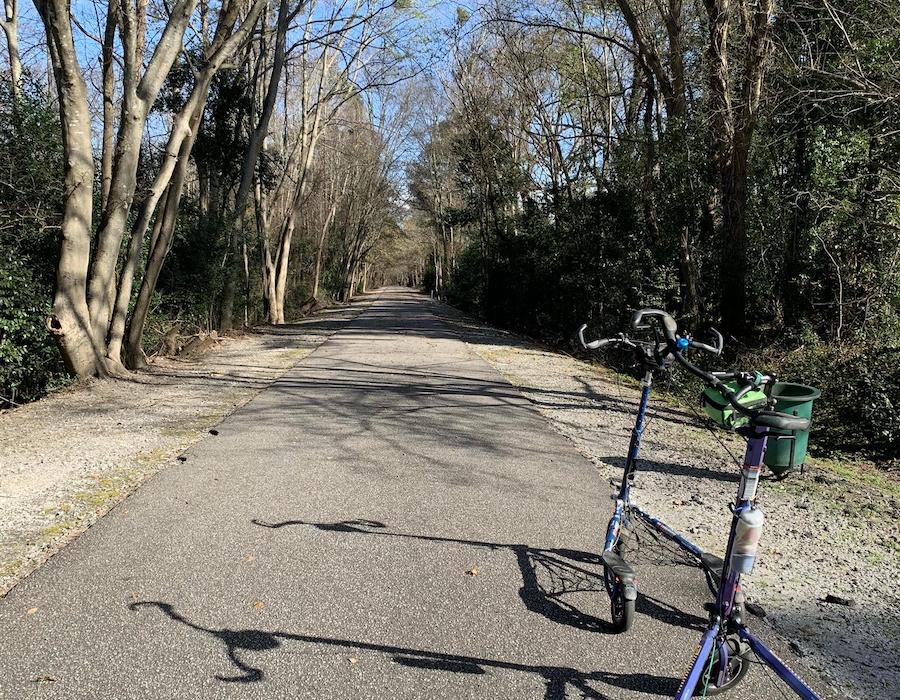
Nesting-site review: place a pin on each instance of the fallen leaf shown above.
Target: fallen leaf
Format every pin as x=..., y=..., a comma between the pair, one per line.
x=44, y=679
x=31, y=611
x=249, y=557
x=473, y=571
x=258, y=605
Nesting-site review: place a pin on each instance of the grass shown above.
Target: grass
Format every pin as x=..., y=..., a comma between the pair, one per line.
x=874, y=558
x=180, y=433
x=151, y=457
x=109, y=489
x=860, y=473
x=9, y=569
x=295, y=354
x=56, y=529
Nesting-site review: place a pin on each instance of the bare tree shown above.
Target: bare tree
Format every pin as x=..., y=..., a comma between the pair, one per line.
x=10, y=24
x=70, y=320
x=251, y=156
x=169, y=183
x=84, y=281
x=734, y=112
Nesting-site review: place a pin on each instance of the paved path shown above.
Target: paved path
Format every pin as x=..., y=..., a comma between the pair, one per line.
x=323, y=545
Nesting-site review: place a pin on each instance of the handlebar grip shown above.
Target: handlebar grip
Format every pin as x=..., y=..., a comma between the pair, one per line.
x=714, y=349
x=592, y=345
x=669, y=324
x=602, y=342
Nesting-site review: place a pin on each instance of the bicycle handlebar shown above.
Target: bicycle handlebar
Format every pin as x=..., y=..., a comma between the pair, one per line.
x=620, y=339
x=593, y=344
x=714, y=349
x=669, y=325
x=676, y=344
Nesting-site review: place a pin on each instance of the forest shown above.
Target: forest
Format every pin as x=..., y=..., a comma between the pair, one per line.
x=193, y=167
x=735, y=163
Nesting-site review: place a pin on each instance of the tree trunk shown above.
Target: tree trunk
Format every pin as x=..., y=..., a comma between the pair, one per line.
x=651, y=219
x=109, y=87
x=248, y=167
x=138, y=98
x=281, y=270
x=179, y=146
x=183, y=130
x=732, y=133
x=134, y=354
x=70, y=319
x=792, y=291
x=268, y=266
x=269, y=295
x=317, y=270
x=323, y=235
x=733, y=246
x=11, y=30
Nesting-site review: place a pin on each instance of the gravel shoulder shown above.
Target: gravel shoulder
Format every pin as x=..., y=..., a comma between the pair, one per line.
x=831, y=531
x=68, y=459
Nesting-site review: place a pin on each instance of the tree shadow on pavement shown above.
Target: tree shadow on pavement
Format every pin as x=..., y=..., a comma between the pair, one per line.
x=548, y=575
x=557, y=680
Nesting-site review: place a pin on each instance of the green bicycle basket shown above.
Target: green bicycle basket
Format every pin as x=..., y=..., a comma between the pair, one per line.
x=722, y=412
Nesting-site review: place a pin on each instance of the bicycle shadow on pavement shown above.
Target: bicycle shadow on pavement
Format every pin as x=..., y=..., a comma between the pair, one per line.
x=558, y=680
x=548, y=575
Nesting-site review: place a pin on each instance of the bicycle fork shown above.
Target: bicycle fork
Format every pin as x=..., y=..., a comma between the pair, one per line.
x=727, y=617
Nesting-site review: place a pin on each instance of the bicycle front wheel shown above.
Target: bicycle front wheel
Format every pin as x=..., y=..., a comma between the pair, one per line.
x=714, y=681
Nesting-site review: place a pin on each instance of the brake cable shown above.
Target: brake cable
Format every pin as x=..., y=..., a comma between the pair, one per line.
x=705, y=423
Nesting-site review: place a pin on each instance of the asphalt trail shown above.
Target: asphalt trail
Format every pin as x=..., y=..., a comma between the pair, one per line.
x=391, y=519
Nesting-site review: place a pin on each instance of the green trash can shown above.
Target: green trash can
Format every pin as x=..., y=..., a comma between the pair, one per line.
x=795, y=400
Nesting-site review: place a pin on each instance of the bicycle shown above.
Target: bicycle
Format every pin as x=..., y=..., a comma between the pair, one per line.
x=619, y=578
x=722, y=658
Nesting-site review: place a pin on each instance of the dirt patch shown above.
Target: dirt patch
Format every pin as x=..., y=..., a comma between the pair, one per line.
x=829, y=563
x=67, y=459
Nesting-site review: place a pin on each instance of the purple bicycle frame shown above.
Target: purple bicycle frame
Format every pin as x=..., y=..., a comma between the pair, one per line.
x=728, y=587
x=623, y=498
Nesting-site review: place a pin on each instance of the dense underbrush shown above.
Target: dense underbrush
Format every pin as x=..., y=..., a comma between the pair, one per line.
x=546, y=294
